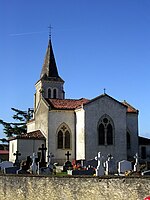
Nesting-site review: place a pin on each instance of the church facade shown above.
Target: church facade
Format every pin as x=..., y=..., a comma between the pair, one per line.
x=81, y=126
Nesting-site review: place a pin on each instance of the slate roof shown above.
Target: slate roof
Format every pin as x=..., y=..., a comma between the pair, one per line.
x=67, y=104
x=32, y=135
x=130, y=109
x=49, y=69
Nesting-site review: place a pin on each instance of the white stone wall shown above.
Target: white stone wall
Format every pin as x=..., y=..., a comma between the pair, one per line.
x=37, y=97
x=132, y=127
x=80, y=134
x=12, y=149
x=31, y=126
x=25, y=146
x=93, y=112
x=56, y=118
x=41, y=118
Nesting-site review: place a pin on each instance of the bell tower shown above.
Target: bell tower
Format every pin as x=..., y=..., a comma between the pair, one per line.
x=50, y=84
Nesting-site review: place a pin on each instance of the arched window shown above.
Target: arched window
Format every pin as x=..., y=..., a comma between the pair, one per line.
x=60, y=140
x=49, y=93
x=64, y=137
x=109, y=134
x=54, y=93
x=105, y=131
x=101, y=134
x=67, y=140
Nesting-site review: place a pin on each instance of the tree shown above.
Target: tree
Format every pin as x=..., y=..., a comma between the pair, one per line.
x=17, y=128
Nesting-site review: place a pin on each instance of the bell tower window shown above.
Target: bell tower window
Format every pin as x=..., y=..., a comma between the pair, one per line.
x=54, y=93
x=49, y=93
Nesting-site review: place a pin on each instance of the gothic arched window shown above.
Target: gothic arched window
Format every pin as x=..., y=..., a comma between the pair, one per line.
x=105, y=131
x=60, y=140
x=63, y=137
x=49, y=93
x=54, y=93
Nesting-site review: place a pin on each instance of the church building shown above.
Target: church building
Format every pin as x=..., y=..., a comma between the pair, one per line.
x=83, y=126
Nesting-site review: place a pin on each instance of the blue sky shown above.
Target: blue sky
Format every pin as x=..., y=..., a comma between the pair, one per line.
x=97, y=44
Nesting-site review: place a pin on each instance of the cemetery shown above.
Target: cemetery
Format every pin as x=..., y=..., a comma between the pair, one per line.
x=74, y=180
x=42, y=163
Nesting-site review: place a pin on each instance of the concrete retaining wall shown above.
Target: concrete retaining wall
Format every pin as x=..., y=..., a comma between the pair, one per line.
x=73, y=188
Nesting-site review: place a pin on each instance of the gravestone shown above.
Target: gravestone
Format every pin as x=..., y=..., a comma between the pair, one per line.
x=146, y=173
x=34, y=166
x=136, y=165
x=92, y=162
x=43, y=152
x=100, y=167
x=17, y=162
x=23, y=168
x=68, y=164
x=6, y=164
x=109, y=165
x=124, y=166
x=11, y=170
x=49, y=169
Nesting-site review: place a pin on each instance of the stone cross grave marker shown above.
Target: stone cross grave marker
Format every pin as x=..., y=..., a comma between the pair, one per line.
x=34, y=166
x=17, y=154
x=42, y=161
x=67, y=155
x=50, y=156
x=108, y=164
x=136, y=165
x=100, y=168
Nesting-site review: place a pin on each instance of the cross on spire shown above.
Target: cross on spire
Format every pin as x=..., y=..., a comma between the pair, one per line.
x=67, y=155
x=104, y=90
x=50, y=31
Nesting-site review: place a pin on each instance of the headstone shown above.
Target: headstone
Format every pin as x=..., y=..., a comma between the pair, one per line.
x=17, y=154
x=92, y=163
x=11, y=170
x=34, y=166
x=136, y=165
x=23, y=168
x=109, y=165
x=43, y=152
x=6, y=164
x=68, y=164
x=49, y=164
x=100, y=167
x=146, y=173
x=124, y=166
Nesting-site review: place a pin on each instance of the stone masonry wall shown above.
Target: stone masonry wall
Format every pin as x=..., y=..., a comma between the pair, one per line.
x=73, y=188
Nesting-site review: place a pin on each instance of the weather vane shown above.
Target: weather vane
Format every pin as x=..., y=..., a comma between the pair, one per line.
x=50, y=31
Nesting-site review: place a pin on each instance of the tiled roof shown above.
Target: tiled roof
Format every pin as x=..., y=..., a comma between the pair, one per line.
x=31, y=135
x=4, y=152
x=130, y=109
x=68, y=104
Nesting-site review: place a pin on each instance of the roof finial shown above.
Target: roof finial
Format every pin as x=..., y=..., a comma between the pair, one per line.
x=50, y=31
